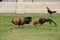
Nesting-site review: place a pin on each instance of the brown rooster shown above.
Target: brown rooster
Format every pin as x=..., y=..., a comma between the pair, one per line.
x=22, y=21
x=43, y=20
x=50, y=11
x=18, y=22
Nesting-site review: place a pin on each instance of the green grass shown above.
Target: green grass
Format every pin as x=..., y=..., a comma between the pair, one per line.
x=9, y=31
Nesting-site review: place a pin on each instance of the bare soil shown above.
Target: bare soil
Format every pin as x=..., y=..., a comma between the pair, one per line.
x=27, y=14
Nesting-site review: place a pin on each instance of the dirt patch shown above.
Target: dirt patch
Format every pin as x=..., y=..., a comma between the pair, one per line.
x=27, y=14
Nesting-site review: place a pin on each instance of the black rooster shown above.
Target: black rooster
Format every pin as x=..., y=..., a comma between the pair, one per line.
x=50, y=11
x=28, y=20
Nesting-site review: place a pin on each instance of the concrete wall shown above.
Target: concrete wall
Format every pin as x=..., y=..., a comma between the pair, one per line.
x=41, y=7
x=26, y=7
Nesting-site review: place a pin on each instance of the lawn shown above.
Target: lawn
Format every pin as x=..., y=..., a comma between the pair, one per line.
x=9, y=31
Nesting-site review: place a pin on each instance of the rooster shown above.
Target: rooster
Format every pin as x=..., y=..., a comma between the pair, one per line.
x=50, y=11
x=28, y=19
x=21, y=21
x=18, y=22
x=43, y=20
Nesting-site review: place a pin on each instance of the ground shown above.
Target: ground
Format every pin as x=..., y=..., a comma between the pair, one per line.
x=27, y=14
x=9, y=31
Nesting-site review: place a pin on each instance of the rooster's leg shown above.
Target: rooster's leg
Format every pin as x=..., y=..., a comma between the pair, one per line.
x=19, y=26
x=41, y=23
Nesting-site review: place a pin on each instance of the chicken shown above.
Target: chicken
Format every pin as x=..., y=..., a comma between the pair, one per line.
x=21, y=21
x=18, y=22
x=50, y=11
x=28, y=20
x=43, y=20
